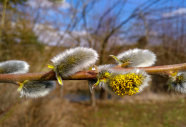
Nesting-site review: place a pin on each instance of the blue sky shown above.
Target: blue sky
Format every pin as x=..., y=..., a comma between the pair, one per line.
x=129, y=7
x=169, y=9
x=102, y=5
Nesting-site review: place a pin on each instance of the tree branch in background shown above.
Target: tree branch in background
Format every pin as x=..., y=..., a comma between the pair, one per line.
x=3, y=17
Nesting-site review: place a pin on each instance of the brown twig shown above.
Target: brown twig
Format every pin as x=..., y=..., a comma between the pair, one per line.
x=85, y=75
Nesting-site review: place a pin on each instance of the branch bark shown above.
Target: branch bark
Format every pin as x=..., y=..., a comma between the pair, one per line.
x=86, y=75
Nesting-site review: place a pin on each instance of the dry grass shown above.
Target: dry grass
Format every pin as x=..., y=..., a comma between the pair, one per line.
x=144, y=110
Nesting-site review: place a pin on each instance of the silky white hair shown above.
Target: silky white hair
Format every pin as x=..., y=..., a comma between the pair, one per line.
x=105, y=66
x=14, y=67
x=35, y=89
x=178, y=86
x=138, y=57
x=82, y=58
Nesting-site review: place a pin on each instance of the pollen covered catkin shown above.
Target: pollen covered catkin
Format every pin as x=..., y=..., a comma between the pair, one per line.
x=123, y=83
x=35, y=89
x=178, y=82
x=14, y=67
x=136, y=58
x=72, y=61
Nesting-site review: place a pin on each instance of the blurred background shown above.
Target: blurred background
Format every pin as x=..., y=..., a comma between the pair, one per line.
x=36, y=30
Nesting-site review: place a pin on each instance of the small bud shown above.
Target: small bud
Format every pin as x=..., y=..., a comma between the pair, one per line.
x=14, y=67
x=135, y=58
x=72, y=61
x=123, y=83
x=93, y=68
x=35, y=89
x=177, y=82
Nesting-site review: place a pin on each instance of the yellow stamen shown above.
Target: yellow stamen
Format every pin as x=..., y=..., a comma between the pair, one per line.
x=115, y=58
x=96, y=84
x=179, y=79
x=59, y=79
x=125, y=64
x=173, y=74
x=50, y=66
x=126, y=84
x=21, y=85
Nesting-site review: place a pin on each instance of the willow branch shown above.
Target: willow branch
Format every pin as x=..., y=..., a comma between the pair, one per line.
x=86, y=75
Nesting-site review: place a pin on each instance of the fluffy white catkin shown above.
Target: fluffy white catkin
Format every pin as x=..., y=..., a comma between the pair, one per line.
x=74, y=60
x=137, y=58
x=35, y=89
x=106, y=66
x=14, y=67
x=178, y=82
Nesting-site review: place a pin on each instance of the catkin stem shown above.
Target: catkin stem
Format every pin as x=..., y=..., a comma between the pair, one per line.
x=85, y=75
